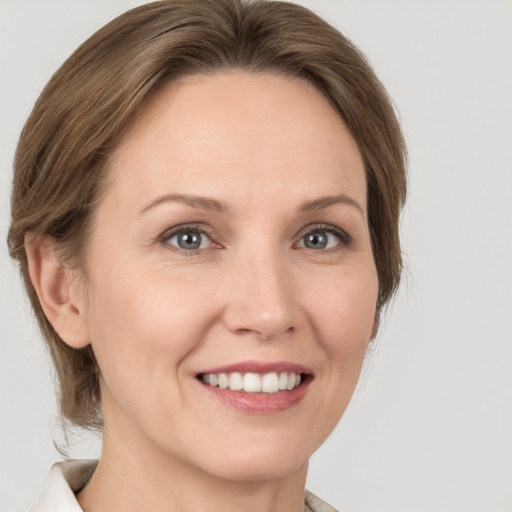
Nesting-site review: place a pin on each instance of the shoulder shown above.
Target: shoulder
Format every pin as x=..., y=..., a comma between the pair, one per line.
x=64, y=480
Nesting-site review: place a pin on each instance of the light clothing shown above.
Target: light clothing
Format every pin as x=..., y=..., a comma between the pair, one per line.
x=64, y=480
x=70, y=476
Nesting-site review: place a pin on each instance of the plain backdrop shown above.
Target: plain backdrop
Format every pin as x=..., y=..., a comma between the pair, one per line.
x=430, y=427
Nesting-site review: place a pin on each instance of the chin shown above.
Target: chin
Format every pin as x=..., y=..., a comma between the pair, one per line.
x=256, y=471
x=259, y=462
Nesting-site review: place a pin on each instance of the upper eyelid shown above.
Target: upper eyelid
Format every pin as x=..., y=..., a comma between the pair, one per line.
x=324, y=227
x=179, y=228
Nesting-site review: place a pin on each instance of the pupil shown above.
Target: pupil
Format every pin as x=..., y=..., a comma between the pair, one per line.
x=189, y=240
x=316, y=241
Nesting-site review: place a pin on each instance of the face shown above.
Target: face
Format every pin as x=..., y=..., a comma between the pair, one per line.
x=230, y=259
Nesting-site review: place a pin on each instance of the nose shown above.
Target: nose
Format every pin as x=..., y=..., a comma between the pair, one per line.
x=261, y=299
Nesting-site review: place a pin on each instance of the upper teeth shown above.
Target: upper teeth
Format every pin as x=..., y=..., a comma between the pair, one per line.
x=253, y=382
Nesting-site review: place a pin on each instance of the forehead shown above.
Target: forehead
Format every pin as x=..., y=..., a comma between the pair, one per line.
x=253, y=133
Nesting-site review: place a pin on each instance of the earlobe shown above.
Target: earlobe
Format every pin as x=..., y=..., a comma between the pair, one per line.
x=54, y=287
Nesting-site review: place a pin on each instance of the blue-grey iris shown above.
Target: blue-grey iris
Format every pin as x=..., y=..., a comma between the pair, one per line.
x=189, y=240
x=316, y=240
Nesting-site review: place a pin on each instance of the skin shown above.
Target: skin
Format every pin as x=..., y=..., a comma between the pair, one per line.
x=156, y=315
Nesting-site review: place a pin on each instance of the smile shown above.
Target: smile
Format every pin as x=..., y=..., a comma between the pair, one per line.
x=258, y=387
x=250, y=382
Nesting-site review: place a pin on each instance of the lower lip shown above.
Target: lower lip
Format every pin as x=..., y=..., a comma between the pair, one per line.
x=259, y=403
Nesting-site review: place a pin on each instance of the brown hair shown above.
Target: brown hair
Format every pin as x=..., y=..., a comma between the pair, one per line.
x=89, y=102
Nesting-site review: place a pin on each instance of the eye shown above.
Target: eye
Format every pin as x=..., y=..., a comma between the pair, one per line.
x=188, y=239
x=322, y=238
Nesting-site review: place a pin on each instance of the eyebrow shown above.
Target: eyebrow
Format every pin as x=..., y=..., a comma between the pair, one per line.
x=325, y=202
x=210, y=204
x=199, y=202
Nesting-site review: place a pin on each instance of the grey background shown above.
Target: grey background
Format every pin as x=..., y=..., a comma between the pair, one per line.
x=430, y=427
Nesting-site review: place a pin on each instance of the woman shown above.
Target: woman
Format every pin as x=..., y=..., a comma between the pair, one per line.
x=205, y=212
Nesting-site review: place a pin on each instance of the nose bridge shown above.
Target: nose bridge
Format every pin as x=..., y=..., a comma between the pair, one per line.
x=262, y=300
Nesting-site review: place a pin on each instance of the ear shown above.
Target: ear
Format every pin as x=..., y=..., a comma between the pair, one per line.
x=57, y=289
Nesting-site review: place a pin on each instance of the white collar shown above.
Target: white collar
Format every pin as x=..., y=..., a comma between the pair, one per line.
x=64, y=480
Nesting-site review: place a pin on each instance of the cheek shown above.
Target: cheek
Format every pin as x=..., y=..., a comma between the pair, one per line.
x=146, y=320
x=346, y=308
x=142, y=328
x=342, y=317
x=344, y=321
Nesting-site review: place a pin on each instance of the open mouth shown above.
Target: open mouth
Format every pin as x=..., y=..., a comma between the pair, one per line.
x=250, y=382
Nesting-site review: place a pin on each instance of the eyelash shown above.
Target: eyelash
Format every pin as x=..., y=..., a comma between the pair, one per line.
x=346, y=240
x=184, y=228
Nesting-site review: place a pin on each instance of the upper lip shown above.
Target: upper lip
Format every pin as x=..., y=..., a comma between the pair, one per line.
x=260, y=367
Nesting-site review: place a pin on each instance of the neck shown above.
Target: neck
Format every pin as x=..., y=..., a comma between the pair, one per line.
x=133, y=477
